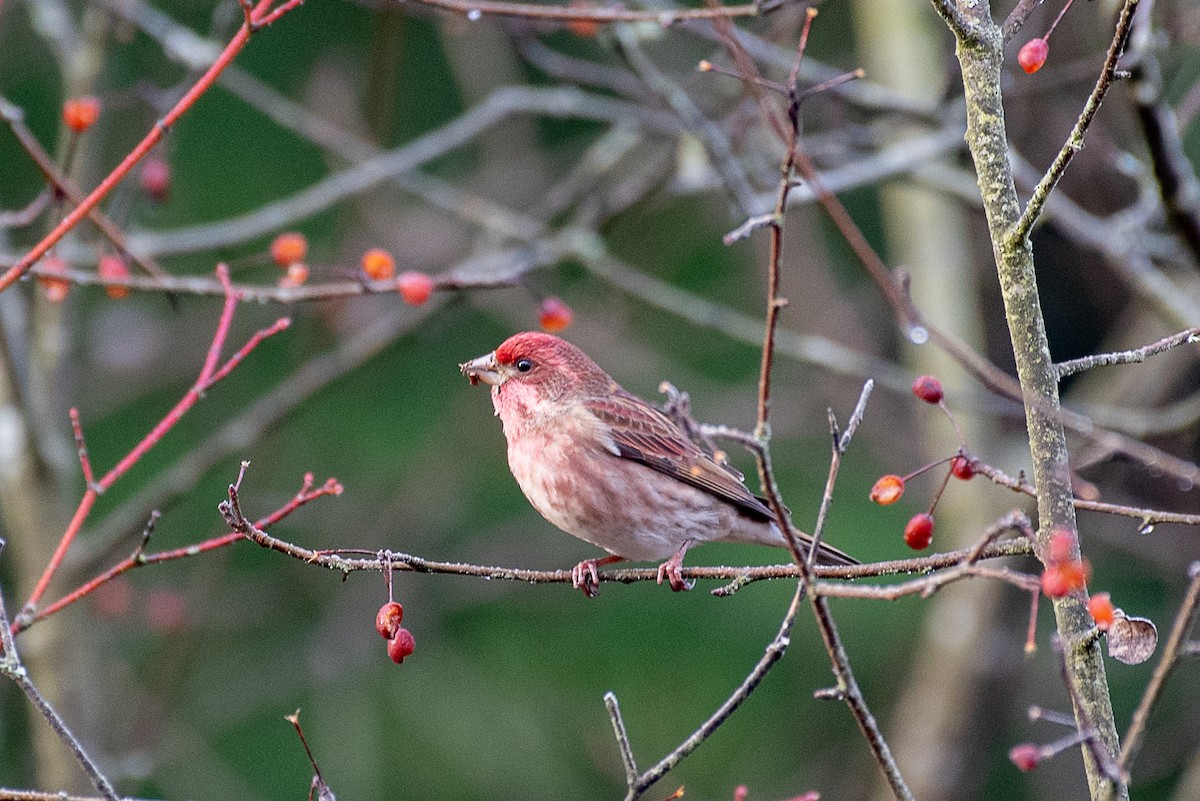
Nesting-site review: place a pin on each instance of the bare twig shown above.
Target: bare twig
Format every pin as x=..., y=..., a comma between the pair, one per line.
x=1074, y=143
x=1148, y=517
x=476, y=9
x=1173, y=652
x=12, y=667
x=1016, y=18
x=1137, y=355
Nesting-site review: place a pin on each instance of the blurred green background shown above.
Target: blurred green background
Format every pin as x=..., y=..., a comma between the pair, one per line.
x=177, y=677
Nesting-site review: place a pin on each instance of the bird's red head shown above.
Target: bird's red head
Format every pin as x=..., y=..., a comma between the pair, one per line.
x=551, y=366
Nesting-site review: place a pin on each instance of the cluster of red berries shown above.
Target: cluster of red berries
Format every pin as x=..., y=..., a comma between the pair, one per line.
x=55, y=284
x=415, y=287
x=918, y=533
x=288, y=251
x=400, y=642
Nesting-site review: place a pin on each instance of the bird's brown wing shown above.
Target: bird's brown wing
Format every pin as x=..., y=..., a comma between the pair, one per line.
x=642, y=433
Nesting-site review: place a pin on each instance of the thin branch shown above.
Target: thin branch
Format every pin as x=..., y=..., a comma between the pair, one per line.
x=1016, y=18
x=1137, y=355
x=11, y=666
x=340, y=560
x=1173, y=652
x=1074, y=143
x=1148, y=517
x=12, y=794
x=774, y=651
x=618, y=723
x=476, y=9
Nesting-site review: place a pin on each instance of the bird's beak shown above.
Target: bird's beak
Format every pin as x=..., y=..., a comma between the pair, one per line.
x=484, y=369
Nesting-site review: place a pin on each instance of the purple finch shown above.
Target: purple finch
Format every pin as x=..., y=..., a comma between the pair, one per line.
x=609, y=468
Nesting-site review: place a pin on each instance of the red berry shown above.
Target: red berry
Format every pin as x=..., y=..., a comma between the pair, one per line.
x=928, y=389
x=113, y=268
x=415, y=288
x=887, y=490
x=387, y=619
x=289, y=248
x=919, y=531
x=401, y=645
x=1059, y=580
x=1025, y=756
x=55, y=288
x=156, y=179
x=1033, y=55
x=554, y=315
x=1101, y=608
x=378, y=264
x=1054, y=583
x=81, y=113
x=961, y=467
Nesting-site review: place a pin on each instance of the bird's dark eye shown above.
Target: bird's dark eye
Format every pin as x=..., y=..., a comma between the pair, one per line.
x=524, y=365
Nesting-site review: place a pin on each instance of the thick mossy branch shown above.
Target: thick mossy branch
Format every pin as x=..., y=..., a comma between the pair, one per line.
x=981, y=56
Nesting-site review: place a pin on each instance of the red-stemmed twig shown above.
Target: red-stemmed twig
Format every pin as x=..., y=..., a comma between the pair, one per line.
x=255, y=17
x=210, y=374
x=139, y=558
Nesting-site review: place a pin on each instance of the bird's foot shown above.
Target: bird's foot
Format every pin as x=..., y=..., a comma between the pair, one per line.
x=672, y=570
x=584, y=576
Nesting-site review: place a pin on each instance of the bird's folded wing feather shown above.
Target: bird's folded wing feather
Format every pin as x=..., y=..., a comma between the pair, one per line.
x=642, y=433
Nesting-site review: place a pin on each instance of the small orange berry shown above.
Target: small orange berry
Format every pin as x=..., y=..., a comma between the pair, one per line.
x=1033, y=54
x=887, y=490
x=554, y=315
x=415, y=287
x=81, y=113
x=378, y=264
x=919, y=531
x=54, y=288
x=1101, y=608
x=289, y=248
x=113, y=268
